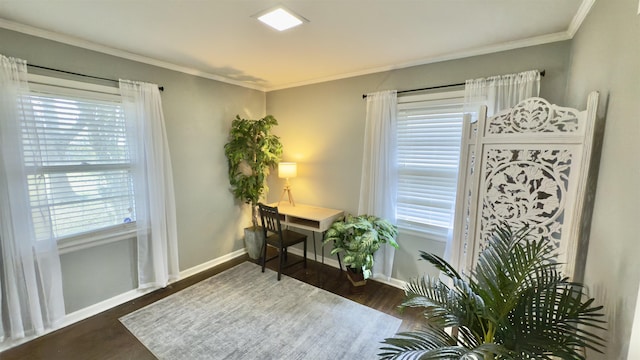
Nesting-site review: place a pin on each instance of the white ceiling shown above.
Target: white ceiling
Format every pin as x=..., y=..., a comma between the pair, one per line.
x=220, y=39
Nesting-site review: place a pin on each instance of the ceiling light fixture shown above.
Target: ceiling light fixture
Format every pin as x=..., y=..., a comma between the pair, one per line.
x=281, y=19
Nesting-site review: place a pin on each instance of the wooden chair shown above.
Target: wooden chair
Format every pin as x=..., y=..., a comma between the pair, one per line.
x=278, y=238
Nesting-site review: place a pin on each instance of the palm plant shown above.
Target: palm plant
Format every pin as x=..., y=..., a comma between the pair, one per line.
x=515, y=305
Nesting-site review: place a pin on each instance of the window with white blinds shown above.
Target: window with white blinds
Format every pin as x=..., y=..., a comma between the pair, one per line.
x=429, y=132
x=77, y=159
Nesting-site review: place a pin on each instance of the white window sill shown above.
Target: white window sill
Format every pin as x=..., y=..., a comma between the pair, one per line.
x=97, y=238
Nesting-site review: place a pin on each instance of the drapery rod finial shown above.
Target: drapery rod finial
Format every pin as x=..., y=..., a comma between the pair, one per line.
x=364, y=96
x=161, y=88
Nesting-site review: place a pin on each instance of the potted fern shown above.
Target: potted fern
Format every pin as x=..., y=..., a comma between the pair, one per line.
x=358, y=238
x=252, y=151
x=515, y=305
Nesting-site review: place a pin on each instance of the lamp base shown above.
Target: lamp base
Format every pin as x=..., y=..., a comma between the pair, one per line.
x=287, y=190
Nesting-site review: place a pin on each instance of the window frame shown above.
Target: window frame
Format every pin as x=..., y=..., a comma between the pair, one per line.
x=420, y=229
x=97, y=237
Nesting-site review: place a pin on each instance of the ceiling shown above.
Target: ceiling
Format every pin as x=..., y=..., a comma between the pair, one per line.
x=222, y=40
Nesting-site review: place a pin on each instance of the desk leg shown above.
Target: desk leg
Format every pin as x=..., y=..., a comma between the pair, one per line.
x=315, y=252
x=338, y=255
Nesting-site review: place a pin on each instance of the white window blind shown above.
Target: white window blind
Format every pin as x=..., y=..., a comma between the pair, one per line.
x=77, y=158
x=429, y=134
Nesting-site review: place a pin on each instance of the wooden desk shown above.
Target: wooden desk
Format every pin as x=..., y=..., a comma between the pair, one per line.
x=307, y=217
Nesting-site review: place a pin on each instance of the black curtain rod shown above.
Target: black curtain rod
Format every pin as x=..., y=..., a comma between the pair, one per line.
x=161, y=88
x=364, y=96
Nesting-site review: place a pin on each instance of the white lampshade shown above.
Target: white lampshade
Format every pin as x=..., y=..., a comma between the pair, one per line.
x=287, y=170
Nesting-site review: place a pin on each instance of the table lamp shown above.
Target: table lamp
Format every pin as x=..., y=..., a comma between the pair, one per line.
x=287, y=170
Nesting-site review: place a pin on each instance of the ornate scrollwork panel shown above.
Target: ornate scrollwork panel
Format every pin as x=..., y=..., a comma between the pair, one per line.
x=525, y=186
x=535, y=115
x=525, y=165
x=468, y=200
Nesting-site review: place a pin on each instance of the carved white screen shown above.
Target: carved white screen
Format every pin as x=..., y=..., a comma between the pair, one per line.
x=525, y=165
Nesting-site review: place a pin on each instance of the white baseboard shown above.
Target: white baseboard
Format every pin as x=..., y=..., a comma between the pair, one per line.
x=209, y=264
x=136, y=293
x=391, y=281
x=327, y=261
x=334, y=263
x=120, y=299
x=82, y=314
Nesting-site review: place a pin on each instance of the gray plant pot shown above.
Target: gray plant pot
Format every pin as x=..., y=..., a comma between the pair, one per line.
x=253, y=240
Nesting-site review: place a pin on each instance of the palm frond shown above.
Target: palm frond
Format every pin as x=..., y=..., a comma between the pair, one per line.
x=440, y=264
x=515, y=305
x=510, y=264
x=439, y=302
x=435, y=344
x=556, y=320
x=445, y=306
x=423, y=345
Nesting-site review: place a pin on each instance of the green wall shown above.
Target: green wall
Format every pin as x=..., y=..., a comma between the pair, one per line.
x=605, y=56
x=322, y=128
x=198, y=114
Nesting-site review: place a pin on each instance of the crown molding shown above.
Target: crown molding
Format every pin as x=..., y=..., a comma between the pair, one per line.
x=509, y=45
x=74, y=41
x=575, y=24
x=581, y=14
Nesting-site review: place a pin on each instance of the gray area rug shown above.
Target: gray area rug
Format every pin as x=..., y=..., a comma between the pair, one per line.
x=242, y=313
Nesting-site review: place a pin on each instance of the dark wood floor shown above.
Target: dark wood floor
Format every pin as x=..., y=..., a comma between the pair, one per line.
x=104, y=337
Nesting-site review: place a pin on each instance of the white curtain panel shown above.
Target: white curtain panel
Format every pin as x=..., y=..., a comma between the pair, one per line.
x=31, y=299
x=497, y=93
x=378, y=185
x=500, y=92
x=157, y=237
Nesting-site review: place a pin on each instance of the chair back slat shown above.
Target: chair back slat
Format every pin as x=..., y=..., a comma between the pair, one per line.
x=281, y=240
x=270, y=219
